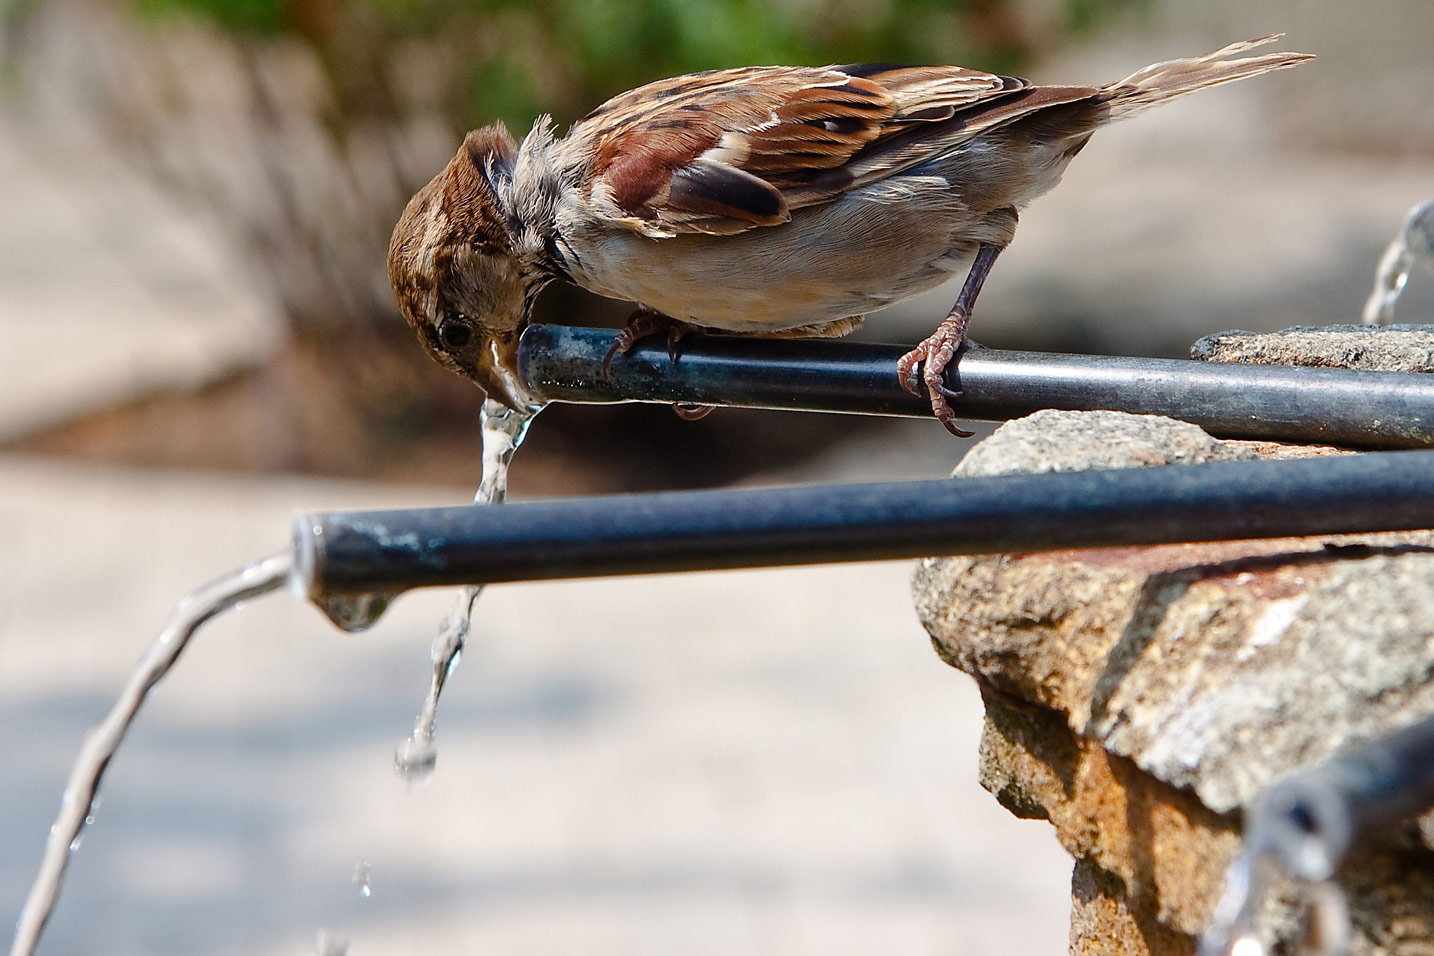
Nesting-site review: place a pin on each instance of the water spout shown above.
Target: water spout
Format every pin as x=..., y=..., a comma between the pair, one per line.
x=503, y=431
x=78, y=801
x=1415, y=243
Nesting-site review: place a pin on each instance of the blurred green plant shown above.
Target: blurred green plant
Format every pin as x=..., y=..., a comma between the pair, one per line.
x=515, y=59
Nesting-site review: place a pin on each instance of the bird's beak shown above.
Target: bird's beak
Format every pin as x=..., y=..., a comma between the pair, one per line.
x=496, y=371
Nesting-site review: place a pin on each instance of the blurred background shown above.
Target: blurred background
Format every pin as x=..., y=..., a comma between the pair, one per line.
x=196, y=338
x=198, y=196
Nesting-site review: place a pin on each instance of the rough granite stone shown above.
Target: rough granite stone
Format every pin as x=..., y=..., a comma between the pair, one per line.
x=1137, y=697
x=1190, y=660
x=1389, y=348
x=1102, y=921
x=1165, y=849
x=1078, y=441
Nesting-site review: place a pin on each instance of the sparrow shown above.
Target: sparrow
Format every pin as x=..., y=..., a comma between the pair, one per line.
x=782, y=201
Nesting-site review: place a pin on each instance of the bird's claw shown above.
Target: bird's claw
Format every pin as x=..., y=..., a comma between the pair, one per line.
x=642, y=324
x=947, y=391
x=921, y=373
x=674, y=335
x=691, y=411
x=908, y=371
x=620, y=345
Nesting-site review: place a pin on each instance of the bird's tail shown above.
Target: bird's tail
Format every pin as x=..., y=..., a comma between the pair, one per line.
x=1160, y=82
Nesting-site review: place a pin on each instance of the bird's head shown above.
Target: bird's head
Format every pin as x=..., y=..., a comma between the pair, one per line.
x=453, y=268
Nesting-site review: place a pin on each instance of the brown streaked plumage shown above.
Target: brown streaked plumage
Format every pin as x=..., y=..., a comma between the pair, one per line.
x=759, y=200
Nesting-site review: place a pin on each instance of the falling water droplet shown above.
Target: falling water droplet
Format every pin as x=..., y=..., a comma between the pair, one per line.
x=330, y=943
x=1247, y=946
x=415, y=758
x=80, y=836
x=362, y=870
x=356, y=612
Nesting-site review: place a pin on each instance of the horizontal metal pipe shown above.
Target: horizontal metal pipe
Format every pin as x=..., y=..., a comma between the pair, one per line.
x=1311, y=819
x=1335, y=406
x=352, y=553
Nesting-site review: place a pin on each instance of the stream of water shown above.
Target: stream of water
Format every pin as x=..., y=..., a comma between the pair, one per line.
x=503, y=431
x=1415, y=243
x=78, y=801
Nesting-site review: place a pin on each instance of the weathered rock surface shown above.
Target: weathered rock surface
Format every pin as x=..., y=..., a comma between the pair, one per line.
x=1190, y=660
x=1137, y=697
x=1155, y=852
x=1390, y=348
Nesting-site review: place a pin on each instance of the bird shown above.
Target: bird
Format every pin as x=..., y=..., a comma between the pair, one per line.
x=781, y=201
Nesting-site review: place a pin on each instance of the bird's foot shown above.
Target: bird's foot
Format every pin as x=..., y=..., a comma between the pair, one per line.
x=923, y=370
x=640, y=325
x=645, y=322
x=690, y=411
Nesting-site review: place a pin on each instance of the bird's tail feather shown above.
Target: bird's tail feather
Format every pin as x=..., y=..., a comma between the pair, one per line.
x=1160, y=82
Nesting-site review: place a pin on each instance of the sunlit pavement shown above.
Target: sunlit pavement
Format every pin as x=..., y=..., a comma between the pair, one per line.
x=761, y=761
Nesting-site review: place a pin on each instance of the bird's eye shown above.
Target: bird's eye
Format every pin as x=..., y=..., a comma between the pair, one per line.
x=454, y=333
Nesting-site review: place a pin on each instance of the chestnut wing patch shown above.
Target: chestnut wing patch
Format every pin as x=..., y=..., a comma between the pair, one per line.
x=710, y=153
x=731, y=150
x=704, y=188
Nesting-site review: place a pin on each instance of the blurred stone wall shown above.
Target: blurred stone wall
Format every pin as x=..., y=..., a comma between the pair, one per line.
x=245, y=128
x=1371, y=91
x=1139, y=698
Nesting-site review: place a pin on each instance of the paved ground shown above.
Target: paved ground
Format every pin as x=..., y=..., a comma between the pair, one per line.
x=756, y=762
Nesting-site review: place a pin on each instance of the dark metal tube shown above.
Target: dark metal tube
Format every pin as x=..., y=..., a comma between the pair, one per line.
x=348, y=553
x=1336, y=406
x=1311, y=819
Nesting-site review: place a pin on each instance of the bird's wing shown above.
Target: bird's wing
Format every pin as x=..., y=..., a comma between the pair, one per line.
x=730, y=150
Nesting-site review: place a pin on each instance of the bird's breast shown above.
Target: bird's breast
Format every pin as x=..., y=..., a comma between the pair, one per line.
x=849, y=257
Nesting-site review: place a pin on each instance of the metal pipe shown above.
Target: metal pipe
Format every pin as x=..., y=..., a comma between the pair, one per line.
x=1310, y=820
x=1335, y=406
x=1298, y=832
x=383, y=552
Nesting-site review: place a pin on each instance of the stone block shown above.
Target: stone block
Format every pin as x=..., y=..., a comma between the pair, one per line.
x=1137, y=698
